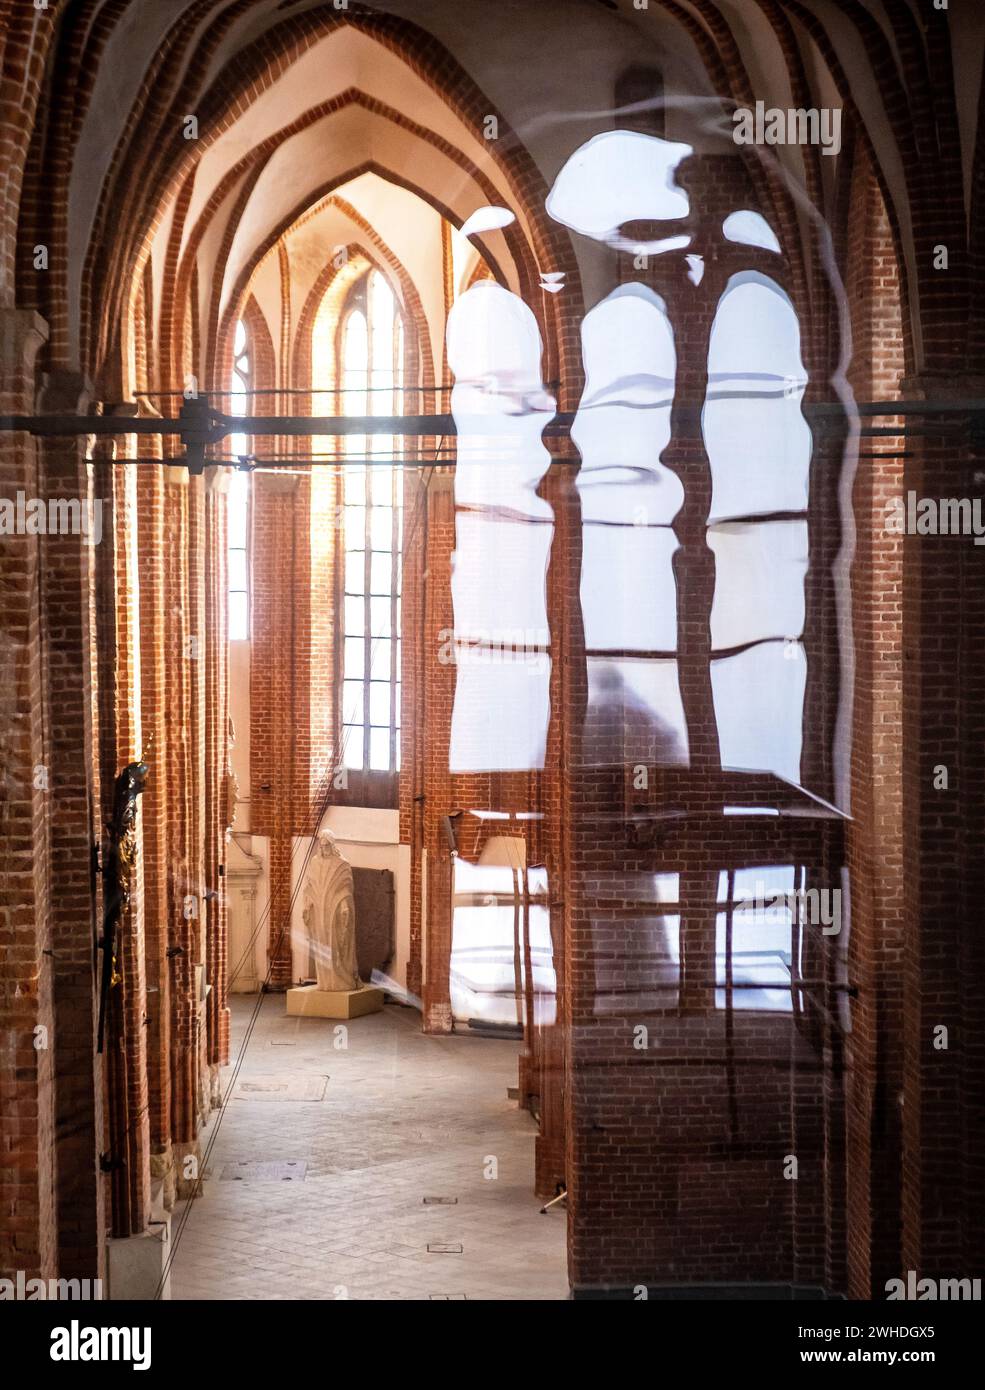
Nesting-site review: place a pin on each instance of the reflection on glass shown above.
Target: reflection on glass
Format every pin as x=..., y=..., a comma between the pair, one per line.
x=759, y=704
x=621, y=176
x=760, y=568
x=501, y=636
x=750, y=229
x=623, y=422
x=635, y=714
x=754, y=939
x=747, y=944
x=502, y=955
x=687, y=863
x=629, y=503
x=758, y=442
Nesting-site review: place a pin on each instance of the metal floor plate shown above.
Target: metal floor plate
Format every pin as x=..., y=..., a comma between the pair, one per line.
x=281, y=1086
x=285, y=1170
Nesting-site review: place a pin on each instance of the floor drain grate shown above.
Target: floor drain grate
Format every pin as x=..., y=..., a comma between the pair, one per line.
x=441, y=1201
x=287, y=1170
x=445, y=1249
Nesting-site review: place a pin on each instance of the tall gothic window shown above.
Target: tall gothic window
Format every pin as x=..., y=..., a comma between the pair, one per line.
x=370, y=345
x=239, y=495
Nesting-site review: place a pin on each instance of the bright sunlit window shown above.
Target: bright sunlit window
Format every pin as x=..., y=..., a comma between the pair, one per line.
x=239, y=496
x=371, y=345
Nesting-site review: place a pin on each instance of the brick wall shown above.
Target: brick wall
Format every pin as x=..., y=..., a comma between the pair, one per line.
x=875, y=851
x=68, y=568
x=29, y=1229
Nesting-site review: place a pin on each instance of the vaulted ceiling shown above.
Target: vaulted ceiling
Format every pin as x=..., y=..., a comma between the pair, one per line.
x=292, y=101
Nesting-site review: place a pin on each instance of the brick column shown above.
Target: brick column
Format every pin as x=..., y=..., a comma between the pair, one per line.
x=273, y=711
x=154, y=558
x=874, y=1052
x=29, y=1230
x=182, y=886
x=551, y=1045
x=944, y=861
x=414, y=685
x=75, y=799
x=216, y=781
x=436, y=714
x=197, y=657
x=120, y=743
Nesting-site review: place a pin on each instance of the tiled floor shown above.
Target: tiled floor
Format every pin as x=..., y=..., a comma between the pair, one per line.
x=404, y=1117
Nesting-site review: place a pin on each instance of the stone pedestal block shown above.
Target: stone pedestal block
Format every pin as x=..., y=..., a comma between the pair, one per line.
x=308, y=1001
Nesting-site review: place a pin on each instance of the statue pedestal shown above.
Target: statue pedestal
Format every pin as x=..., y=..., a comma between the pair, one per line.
x=308, y=1001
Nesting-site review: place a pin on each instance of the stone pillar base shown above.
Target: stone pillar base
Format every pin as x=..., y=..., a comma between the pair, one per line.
x=135, y=1265
x=162, y=1181
x=437, y=1013
x=188, y=1171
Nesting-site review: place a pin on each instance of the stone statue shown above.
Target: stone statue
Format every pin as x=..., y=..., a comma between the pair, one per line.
x=232, y=781
x=330, y=916
x=121, y=858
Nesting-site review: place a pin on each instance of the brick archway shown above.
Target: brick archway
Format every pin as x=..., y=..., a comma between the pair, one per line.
x=135, y=204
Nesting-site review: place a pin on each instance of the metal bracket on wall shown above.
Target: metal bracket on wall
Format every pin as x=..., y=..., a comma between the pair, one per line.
x=198, y=425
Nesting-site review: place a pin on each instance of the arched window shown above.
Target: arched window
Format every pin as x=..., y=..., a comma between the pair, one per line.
x=238, y=604
x=759, y=450
x=371, y=356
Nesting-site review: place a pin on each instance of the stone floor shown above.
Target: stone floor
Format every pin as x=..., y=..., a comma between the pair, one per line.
x=404, y=1117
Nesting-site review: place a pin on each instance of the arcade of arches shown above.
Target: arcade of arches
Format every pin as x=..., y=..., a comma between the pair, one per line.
x=599, y=637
